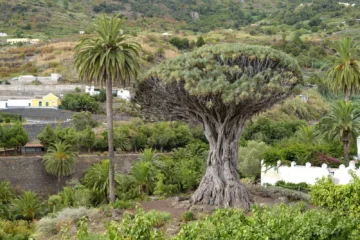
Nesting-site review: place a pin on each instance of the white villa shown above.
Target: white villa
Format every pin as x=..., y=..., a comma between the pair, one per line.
x=3, y=34
x=120, y=93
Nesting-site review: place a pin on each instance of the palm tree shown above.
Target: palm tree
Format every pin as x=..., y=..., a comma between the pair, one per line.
x=308, y=134
x=97, y=178
x=59, y=160
x=344, y=75
x=108, y=57
x=343, y=121
x=27, y=206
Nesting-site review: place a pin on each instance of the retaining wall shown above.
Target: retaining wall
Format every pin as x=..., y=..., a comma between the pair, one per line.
x=7, y=91
x=28, y=173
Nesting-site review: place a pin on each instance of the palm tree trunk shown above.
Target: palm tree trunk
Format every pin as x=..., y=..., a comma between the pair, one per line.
x=58, y=183
x=347, y=95
x=346, y=144
x=109, y=115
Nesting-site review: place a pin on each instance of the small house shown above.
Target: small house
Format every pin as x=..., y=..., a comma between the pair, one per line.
x=32, y=148
x=48, y=101
x=3, y=34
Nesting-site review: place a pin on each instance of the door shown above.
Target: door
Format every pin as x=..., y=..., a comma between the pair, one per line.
x=40, y=104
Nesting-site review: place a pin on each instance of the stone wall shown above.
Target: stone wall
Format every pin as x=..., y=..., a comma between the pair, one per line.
x=28, y=173
x=7, y=91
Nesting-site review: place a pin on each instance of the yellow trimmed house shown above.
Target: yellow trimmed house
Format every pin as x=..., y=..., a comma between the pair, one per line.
x=48, y=101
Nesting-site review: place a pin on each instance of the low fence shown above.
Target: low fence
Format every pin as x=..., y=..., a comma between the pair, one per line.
x=308, y=174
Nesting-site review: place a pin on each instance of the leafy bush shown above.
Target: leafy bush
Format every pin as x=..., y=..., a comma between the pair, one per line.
x=49, y=226
x=250, y=158
x=279, y=222
x=139, y=227
x=80, y=121
x=16, y=230
x=270, y=131
x=123, y=204
x=158, y=219
x=303, y=187
x=344, y=199
x=80, y=102
x=188, y=216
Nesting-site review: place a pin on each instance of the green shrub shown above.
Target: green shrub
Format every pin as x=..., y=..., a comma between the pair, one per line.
x=278, y=222
x=344, y=199
x=123, y=204
x=188, y=216
x=250, y=158
x=138, y=227
x=303, y=187
x=157, y=218
x=16, y=230
x=48, y=226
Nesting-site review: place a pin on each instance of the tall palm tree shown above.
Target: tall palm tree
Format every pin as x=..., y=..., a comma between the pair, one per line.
x=108, y=57
x=343, y=121
x=59, y=160
x=344, y=75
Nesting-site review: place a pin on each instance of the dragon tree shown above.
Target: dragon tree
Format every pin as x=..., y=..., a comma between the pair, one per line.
x=221, y=86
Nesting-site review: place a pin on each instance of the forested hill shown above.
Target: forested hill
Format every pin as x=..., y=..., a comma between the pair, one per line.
x=66, y=17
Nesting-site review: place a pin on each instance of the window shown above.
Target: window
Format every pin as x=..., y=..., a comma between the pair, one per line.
x=40, y=104
x=47, y=104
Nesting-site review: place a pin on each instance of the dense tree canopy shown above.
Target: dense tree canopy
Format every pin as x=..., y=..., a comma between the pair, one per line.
x=217, y=80
x=220, y=86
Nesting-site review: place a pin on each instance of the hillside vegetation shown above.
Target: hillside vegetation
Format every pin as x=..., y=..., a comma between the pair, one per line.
x=53, y=18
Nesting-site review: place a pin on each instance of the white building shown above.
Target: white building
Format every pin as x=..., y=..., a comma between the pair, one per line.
x=3, y=104
x=19, y=103
x=120, y=93
x=3, y=34
x=81, y=32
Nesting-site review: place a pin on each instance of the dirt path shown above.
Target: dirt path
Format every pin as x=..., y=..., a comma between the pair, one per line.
x=164, y=206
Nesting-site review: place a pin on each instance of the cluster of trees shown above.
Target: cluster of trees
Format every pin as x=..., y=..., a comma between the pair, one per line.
x=13, y=137
x=184, y=43
x=78, y=101
x=134, y=136
x=107, y=8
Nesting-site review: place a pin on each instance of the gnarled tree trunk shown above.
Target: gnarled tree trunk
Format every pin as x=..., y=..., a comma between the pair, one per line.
x=221, y=185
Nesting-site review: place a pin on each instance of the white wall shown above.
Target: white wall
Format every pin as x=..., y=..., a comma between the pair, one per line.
x=307, y=173
x=19, y=103
x=3, y=104
x=124, y=94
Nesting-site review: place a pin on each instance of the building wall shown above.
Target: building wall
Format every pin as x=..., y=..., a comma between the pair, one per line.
x=307, y=173
x=3, y=104
x=28, y=173
x=19, y=103
x=49, y=100
x=124, y=94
